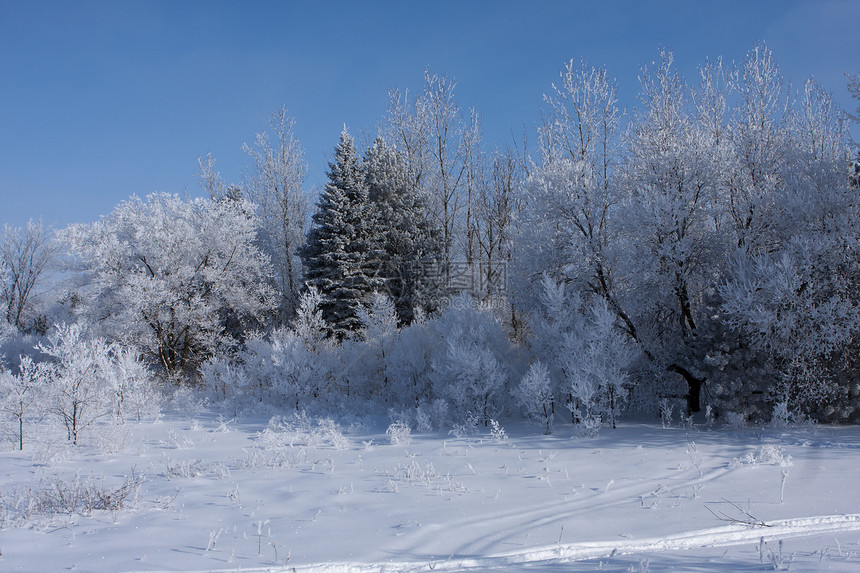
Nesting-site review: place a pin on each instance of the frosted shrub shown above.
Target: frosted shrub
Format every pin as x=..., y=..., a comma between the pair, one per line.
x=534, y=393
x=735, y=421
x=767, y=454
x=131, y=384
x=290, y=369
x=408, y=363
x=597, y=359
x=328, y=431
x=585, y=351
x=77, y=496
x=432, y=416
x=222, y=377
x=471, y=373
x=298, y=369
x=91, y=381
x=781, y=417
x=423, y=421
x=666, y=412
x=497, y=432
x=399, y=434
x=368, y=373
x=21, y=395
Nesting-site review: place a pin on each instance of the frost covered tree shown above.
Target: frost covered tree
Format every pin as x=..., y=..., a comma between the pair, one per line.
x=178, y=278
x=21, y=394
x=343, y=253
x=571, y=197
x=471, y=368
x=753, y=175
x=88, y=379
x=25, y=256
x=795, y=296
x=411, y=248
x=77, y=394
x=130, y=384
x=498, y=205
x=671, y=215
x=369, y=355
x=588, y=358
x=283, y=206
x=440, y=147
x=535, y=394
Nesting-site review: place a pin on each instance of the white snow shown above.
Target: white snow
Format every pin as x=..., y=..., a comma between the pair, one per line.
x=311, y=495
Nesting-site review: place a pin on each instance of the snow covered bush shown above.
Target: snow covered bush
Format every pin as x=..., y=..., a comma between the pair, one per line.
x=21, y=395
x=291, y=368
x=534, y=393
x=78, y=394
x=587, y=354
x=399, y=433
x=471, y=369
x=409, y=370
x=368, y=353
x=89, y=380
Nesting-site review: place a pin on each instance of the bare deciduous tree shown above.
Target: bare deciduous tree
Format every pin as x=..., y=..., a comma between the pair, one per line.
x=276, y=187
x=25, y=254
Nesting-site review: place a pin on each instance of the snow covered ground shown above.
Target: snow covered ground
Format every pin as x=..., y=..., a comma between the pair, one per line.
x=206, y=493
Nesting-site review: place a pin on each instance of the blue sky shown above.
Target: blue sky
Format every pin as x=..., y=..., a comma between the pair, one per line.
x=101, y=100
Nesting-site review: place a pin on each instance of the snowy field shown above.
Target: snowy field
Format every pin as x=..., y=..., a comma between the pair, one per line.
x=205, y=493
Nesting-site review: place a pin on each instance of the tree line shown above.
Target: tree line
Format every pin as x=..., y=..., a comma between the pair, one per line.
x=700, y=250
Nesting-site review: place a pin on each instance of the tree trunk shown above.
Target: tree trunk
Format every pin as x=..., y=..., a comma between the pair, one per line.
x=694, y=386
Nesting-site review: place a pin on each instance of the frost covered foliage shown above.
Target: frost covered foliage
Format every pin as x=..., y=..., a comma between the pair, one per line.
x=588, y=356
x=453, y=367
x=470, y=369
x=534, y=393
x=363, y=359
x=90, y=380
x=289, y=369
x=797, y=300
x=717, y=233
x=25, y=257
x=22, y=396
x=179, y=278
x=81, y=382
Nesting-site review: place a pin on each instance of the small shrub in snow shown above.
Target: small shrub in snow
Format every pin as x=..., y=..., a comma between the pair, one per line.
x=497, y=432
x=468, y=428
x=472, y=371
x=399, y=434
x=686, y=421
x=666, y=411
x=709, y=417
x=174, y=441
x=589, y=427
x=416, y=474
x=21, y=395
x=534, y=393
x=423, y=421
x=767, y=454
x=76, y=497
x=91, y=380
x=585, y=352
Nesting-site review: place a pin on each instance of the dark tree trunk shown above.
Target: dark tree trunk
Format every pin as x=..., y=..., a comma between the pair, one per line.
x=694, y=386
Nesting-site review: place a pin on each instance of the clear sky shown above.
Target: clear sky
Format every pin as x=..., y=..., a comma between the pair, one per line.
x=101, y=100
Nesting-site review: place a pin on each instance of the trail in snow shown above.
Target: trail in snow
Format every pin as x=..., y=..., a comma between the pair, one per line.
x=723, y=536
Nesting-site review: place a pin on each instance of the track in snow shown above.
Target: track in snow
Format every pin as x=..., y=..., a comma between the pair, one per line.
x=727, y=535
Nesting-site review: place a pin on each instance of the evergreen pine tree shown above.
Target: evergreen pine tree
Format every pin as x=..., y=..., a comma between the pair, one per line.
x=411, y=248
x=341, y=254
